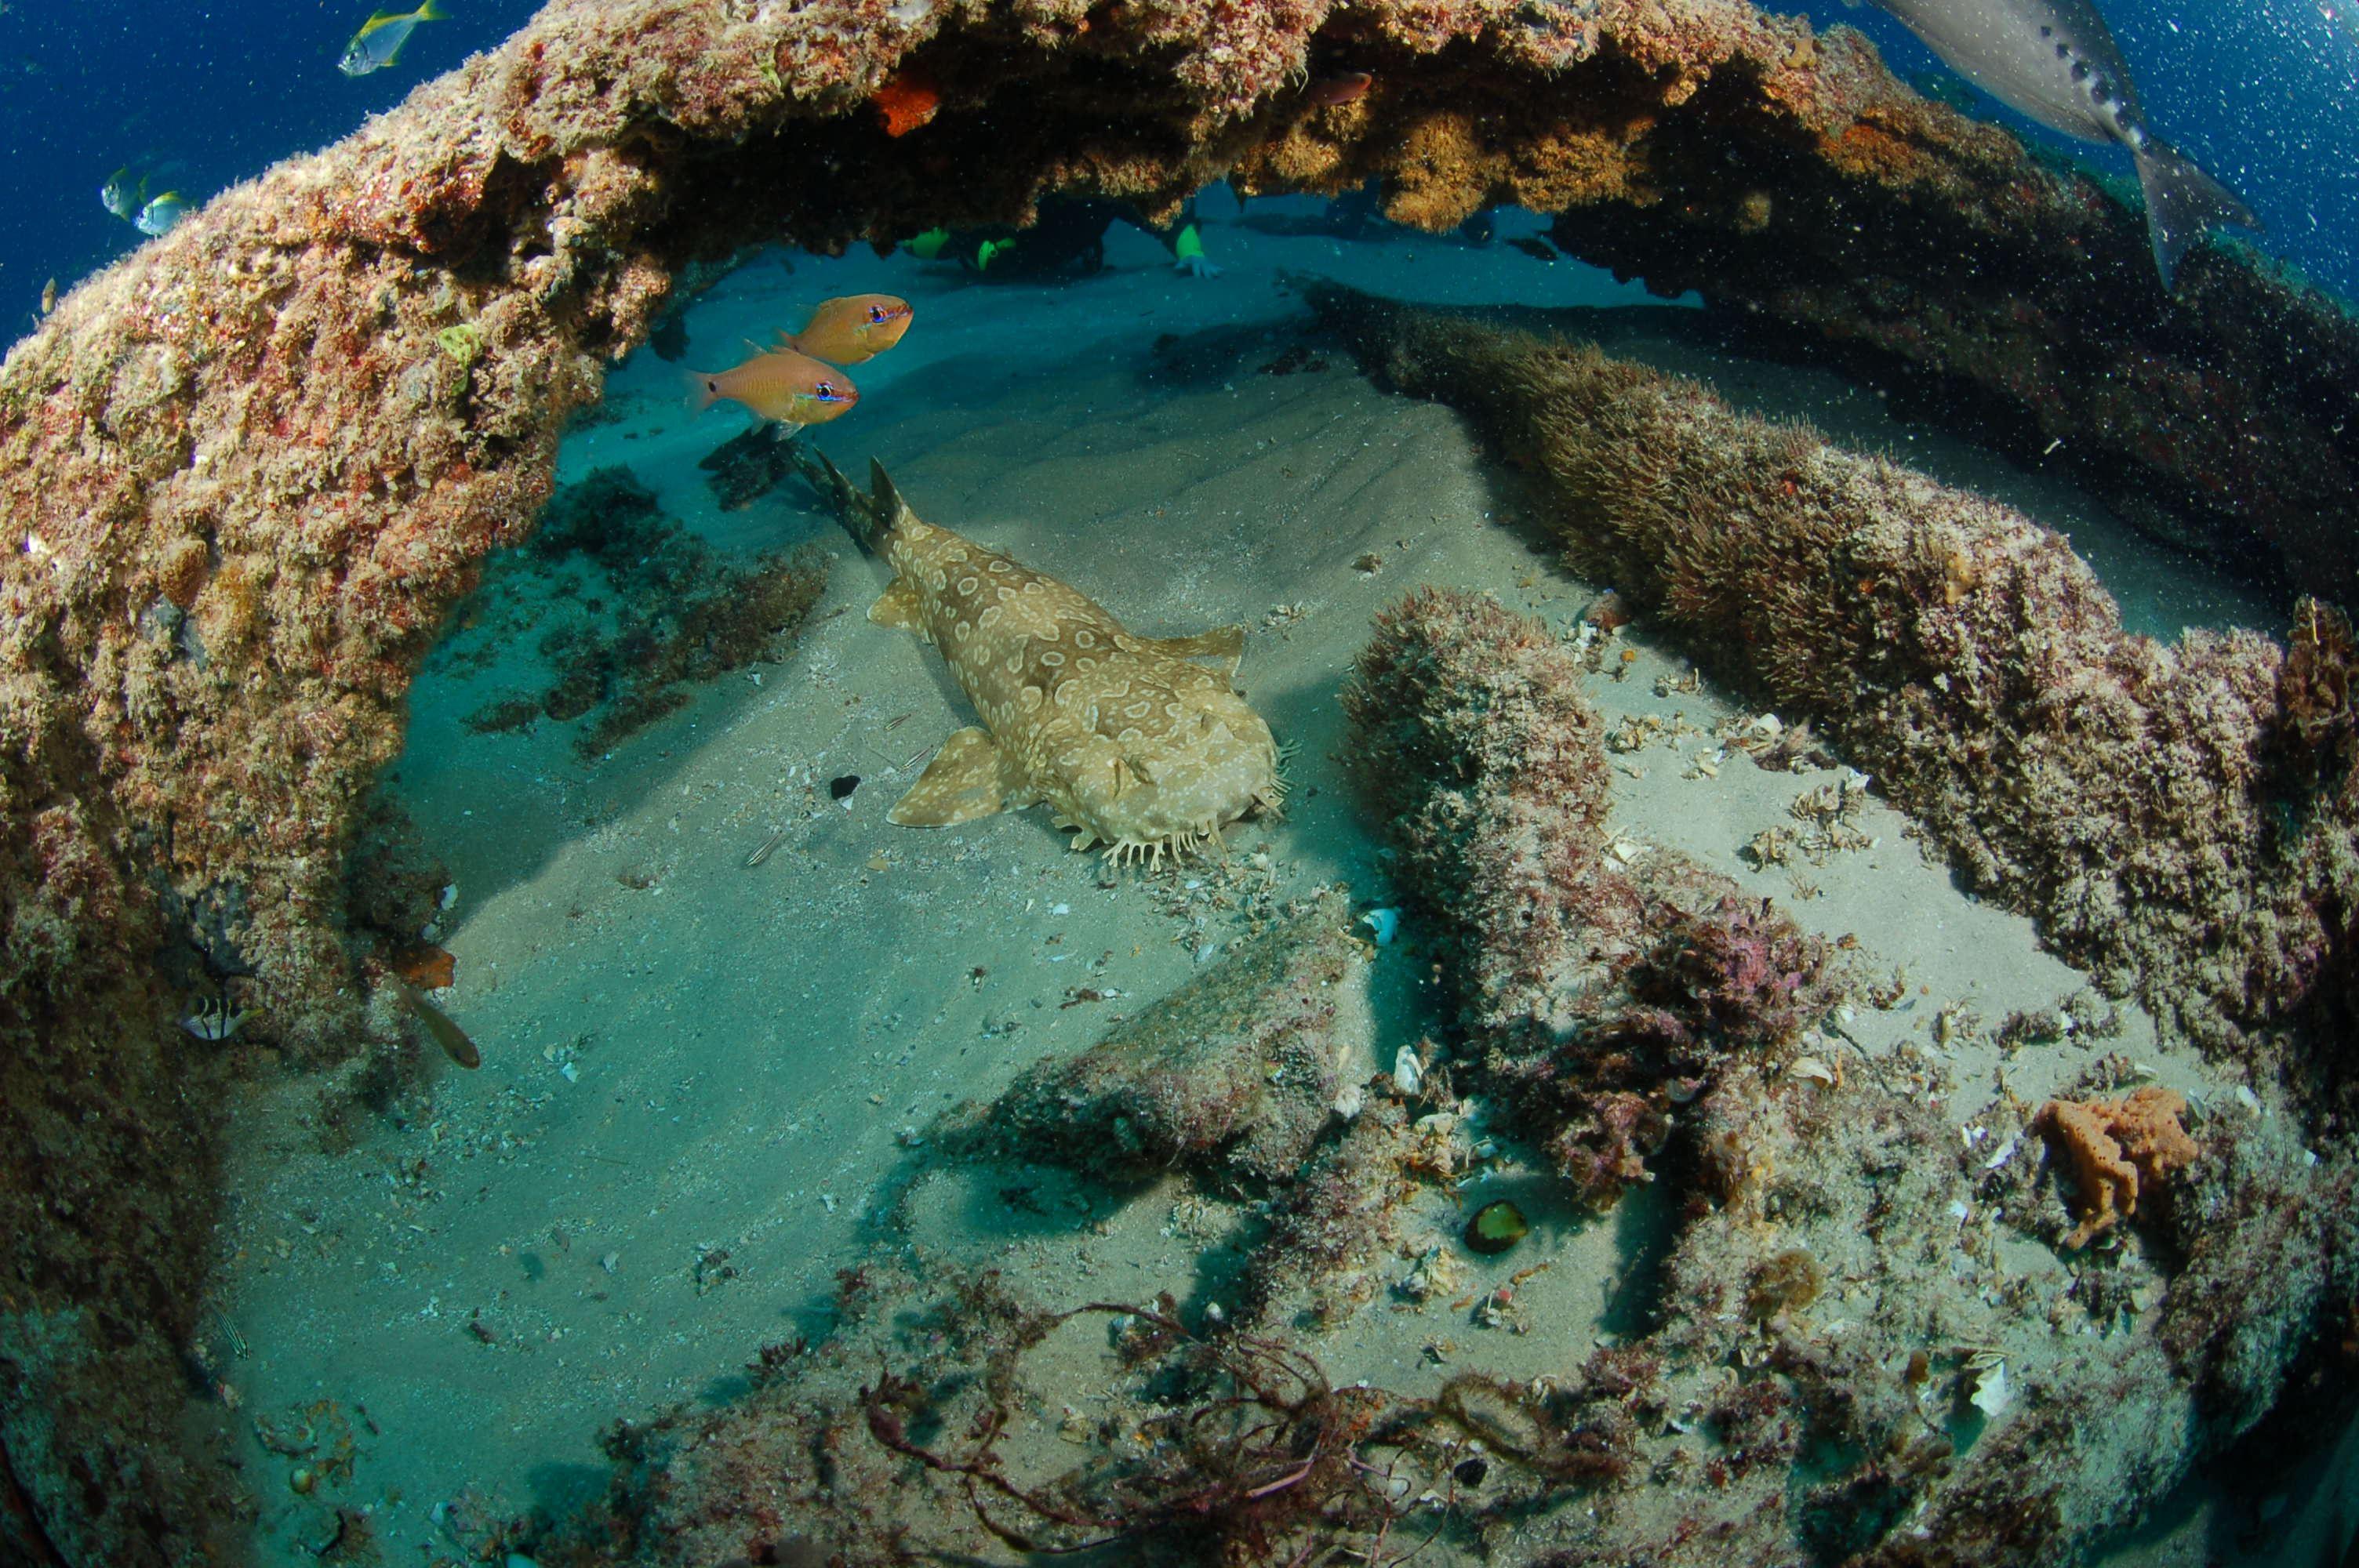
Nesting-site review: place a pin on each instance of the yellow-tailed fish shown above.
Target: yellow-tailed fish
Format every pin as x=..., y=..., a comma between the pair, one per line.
x=124, y=194
x=850, y=329
x=783, y=385
x=378, y=43
x=158, y=216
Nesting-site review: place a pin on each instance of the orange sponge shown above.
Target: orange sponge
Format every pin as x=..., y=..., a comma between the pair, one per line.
x=905, y=103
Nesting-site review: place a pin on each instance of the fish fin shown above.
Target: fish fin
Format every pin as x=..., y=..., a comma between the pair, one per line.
x=964, y=782
x=429, y=12
x=898, y=606
x=2181, y=203
x=868, y=522
x=1224, y=645
x=890, y=507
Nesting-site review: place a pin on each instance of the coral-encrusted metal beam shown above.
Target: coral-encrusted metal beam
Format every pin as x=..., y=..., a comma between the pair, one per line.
x=246, y=472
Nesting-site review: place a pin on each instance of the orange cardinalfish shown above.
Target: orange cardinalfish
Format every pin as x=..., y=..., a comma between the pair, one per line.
x=792, y=388
x=850, y=329
x=1346, y=88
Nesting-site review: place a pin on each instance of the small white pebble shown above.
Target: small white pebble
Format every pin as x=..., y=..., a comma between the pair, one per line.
x=611, y=1261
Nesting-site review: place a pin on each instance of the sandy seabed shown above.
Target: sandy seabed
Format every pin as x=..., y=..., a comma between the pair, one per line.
x=705, y=1085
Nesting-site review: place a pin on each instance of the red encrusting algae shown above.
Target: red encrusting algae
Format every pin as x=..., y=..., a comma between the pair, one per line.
x=905, y=103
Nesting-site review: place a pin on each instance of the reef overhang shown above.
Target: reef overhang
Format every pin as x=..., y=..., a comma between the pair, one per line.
x=249, y=469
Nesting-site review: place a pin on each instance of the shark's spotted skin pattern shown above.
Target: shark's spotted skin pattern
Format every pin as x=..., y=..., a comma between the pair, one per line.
x=1129, y=740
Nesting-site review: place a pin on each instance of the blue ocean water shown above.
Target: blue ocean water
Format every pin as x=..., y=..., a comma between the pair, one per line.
x=2264, y=94
x=198, y=96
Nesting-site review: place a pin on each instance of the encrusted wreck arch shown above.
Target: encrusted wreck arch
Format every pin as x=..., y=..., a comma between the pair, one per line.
x=288, y=434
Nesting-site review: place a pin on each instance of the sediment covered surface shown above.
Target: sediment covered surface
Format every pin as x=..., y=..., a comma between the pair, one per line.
x=249, y=469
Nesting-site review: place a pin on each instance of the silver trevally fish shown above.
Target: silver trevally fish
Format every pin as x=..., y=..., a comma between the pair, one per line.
x=2056, y=61
x=122, y=196
x=378, y=43
x=160, y=217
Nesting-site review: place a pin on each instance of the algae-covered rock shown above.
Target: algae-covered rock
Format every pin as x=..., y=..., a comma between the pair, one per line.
x=1234, y=1071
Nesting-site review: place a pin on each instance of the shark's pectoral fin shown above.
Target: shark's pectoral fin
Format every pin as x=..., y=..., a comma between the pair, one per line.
x=1224, y=643
x=898, y=606
x=966, y=780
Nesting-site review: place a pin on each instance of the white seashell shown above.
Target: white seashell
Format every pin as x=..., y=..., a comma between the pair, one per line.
x=1812, y=1069
x=1348, y=1105
x=1383, y=925
x=1988, y=1391
x=1408, y=1072
x=1769, y=724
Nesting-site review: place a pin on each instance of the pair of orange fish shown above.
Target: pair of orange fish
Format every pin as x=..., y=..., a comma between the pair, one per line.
x=797, y=383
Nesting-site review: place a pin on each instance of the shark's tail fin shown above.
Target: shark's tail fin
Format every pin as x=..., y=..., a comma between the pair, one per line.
x=2181, y=203
x=868, y=522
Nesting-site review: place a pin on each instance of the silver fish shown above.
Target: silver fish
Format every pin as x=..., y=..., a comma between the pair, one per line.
x=2056, y=61
x=378, y=43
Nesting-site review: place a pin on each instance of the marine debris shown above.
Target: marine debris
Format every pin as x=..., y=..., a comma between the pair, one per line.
x=254, y=422
x=2140, y=800
x=1232, y=1076
x=1595, y=995
x=1831, y=1239
x=1240, y=1079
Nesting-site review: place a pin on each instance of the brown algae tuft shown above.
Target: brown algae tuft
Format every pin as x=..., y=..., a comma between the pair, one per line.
x=1497, y=1226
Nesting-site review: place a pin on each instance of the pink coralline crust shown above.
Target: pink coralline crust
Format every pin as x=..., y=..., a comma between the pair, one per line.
x=1588, y=991
x=2133, y=794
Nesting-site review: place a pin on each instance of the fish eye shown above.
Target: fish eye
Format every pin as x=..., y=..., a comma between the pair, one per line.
x=876, y=314
x=826, y=390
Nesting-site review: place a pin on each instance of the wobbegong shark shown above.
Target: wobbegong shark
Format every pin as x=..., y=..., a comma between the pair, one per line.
x=2056, y=61
x=1139, y=744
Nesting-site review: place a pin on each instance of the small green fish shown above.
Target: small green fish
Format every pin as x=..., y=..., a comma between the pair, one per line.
x=378, y=43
